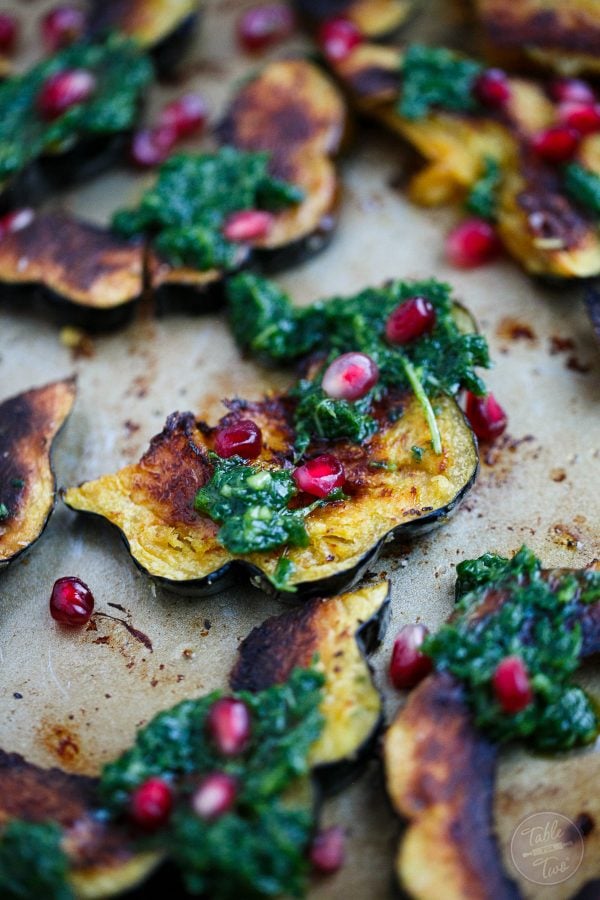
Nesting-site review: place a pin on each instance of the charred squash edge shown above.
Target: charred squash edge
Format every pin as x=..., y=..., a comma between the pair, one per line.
x=93, y=882
x=239, y=570
x=67, y=388
x=258, y=665
x=451, y=807
x=70, y=305
x=376, y=19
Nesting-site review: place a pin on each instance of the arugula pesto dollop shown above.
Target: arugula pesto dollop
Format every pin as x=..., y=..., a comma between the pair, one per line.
x=436, y=78
x=512, y=607
x=121, y=72
x=583, y=187
x=482, y=199
x=32, y=862
x=184, y=211
x=258, y=848
x=443, y=361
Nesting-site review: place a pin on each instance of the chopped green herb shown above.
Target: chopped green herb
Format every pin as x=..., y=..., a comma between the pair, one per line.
x=281, y=577
x=483, y=196
x=436, y=78
x=184, y=211
x=265, y=322
x=383, y=464
x=4, y=511
x=18, y=483
x=535, y=622
x=251, y=504
x=582, y=186
x=32, y=862
x=417, y=453
x=122, y=73
x=259, y=848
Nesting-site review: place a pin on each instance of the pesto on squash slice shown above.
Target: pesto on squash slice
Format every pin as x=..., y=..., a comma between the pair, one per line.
x=32, y=862
x=436, y=78
x=184, y=211
x=122, y=73
x=535, y=622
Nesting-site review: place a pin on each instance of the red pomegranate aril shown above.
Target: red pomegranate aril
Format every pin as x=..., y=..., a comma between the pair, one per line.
x=64, y=90
x=243, y=438
x=229, y=725
x=16, y=220
x=350, y=376
x=414, y=317
x=264, y=25
x=320, y=476
x=492, y=88
x=557, y=144
x=62, y=26
x=9, y=29
x=71, y=601
x=511, y=685
x=486, y=417
x=582, y=117
x=184, y=116
x=151, y=803
x=327, y=851
x=567, y=90
x=214, y=796
x=408, y=665
x=151, y=146
x=472, y=243
x=338, y=38
x=248, y=225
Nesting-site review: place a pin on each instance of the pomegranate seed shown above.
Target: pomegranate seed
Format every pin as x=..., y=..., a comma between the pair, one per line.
x=151, y=803
x=350, y=376
x=265, y=25
x=248, y=225
x=571, y=90
x=151, y=146
x=61, y=26
x=185, y=116
x=15, y=221
x=492, y=88
x=243, y=438
x=511, y=685
x=229, y=726
x=71, y=601
x=338, y=38
x=327, y=851
x=556, y=144
x=64, y=90
x=472, y=243
x=320, y=476
x=408, y=665
x=215, y=795
x=582, y=117
x=486, y=417
x=9, y=29
x=410, y=320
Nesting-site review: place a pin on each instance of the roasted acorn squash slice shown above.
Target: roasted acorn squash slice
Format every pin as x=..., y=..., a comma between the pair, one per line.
x=89, y=276
x=557, y=35
x=29, y=423
x=291, y=110
x=375, y=19
x=340, y=632
x=541, y=227
x=164, y=27
x=152, y=502
x=440, y=774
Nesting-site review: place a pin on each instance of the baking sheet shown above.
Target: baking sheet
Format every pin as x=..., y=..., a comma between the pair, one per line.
x=76, y=699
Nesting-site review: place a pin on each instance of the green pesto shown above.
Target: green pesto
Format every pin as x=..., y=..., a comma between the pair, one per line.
x=122, y=74
x=482, y=199
x=417, y=453
x=535, y=622
x=283, y=574
x=184, y=211
x=582, y=186
x=436, y=78
x=32, y=862
x=258, y=849
x=265, y=323
x=4, y=511
x=251, y=504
